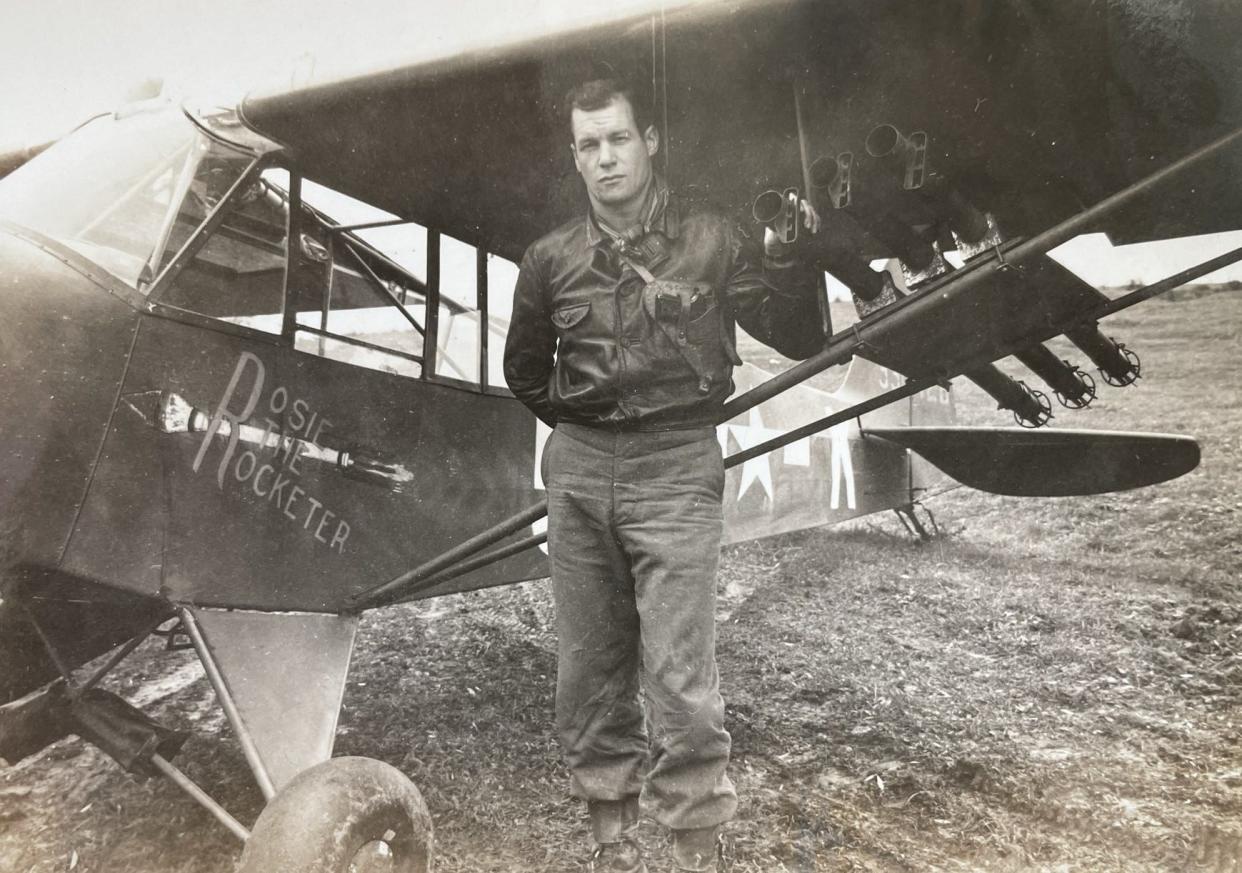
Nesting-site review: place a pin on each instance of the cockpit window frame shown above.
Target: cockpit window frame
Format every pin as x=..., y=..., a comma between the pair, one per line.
x=362, y=250
x=199, y=238
x=359, y=249
x=263, y=153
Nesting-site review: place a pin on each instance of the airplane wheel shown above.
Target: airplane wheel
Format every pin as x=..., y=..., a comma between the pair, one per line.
x=346, y=815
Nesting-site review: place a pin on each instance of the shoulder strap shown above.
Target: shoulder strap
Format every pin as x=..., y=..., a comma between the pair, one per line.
x=643, y=273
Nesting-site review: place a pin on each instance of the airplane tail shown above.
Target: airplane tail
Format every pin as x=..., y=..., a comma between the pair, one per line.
x=1020, y=462
x=1011, y=461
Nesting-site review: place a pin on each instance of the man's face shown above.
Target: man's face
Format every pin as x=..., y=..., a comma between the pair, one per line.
x=612, y=155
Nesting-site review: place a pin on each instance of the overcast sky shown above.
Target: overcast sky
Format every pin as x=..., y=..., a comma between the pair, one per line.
x=63, y=60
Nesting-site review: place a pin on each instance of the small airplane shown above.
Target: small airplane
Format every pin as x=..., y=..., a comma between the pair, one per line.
x=251, y=354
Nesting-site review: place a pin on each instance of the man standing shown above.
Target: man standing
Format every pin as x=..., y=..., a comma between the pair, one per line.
x=622, y=341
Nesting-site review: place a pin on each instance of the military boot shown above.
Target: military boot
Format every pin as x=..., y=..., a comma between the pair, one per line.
x=697, y=850
x=614, y=826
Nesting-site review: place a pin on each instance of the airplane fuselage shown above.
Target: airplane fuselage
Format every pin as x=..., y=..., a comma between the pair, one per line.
x=167, y=448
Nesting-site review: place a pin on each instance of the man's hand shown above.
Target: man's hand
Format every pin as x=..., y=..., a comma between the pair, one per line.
x=774, y=247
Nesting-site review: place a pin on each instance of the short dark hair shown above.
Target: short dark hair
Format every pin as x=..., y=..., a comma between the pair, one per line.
x=598, y=93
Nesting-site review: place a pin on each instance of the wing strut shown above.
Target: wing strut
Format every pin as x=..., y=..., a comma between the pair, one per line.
x=838, y=350
x=1167, y=284
x=457, y=561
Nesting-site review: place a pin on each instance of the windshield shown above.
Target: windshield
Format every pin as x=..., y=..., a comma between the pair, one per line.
x=125, y=192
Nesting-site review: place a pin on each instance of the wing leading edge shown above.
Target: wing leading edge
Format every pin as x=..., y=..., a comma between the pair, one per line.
x=1028, y=110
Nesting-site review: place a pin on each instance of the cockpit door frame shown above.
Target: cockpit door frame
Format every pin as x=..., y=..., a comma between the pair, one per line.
x=195, y=243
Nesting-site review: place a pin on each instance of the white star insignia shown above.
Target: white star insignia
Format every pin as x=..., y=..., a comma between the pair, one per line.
x=756, y=469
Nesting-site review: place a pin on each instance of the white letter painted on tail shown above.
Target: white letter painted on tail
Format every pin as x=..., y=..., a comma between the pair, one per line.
x=842, y=466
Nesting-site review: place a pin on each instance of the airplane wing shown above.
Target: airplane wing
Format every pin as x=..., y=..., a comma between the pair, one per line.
x=1024, y=111
x=1047, y=463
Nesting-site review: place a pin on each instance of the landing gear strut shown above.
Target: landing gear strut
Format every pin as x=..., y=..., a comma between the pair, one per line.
x=914, y=525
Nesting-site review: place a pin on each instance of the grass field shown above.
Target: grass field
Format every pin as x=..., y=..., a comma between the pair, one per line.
x=1050, y=685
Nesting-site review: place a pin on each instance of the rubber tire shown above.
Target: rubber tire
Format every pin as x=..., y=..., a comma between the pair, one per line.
x=320, y=820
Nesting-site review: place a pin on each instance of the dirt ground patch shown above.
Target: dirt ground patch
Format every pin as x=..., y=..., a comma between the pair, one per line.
x=1051, y=685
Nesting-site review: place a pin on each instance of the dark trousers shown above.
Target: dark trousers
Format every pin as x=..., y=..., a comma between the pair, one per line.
x=634, y=522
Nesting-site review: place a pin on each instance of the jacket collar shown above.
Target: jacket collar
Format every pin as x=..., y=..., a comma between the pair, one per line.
x=665, y=218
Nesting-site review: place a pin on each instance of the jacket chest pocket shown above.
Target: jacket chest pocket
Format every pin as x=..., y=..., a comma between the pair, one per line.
x=690, y=316
x=568, y=317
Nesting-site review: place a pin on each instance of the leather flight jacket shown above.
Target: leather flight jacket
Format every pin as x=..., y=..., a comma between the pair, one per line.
x=639, y=334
